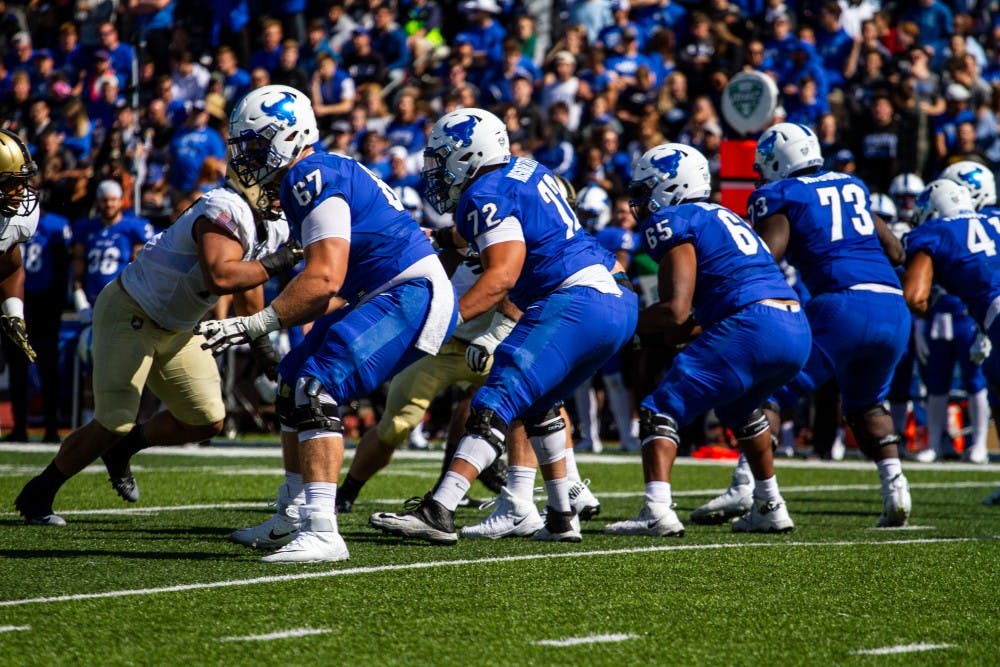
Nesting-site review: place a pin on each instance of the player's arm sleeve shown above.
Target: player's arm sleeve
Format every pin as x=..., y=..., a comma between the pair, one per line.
x=331, y=218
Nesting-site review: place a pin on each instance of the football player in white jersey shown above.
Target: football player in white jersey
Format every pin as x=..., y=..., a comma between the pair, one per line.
x=230, y=241
x=18, y=220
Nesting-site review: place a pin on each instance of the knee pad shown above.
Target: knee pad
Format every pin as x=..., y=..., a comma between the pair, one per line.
x=545, y=424
x=862, y=417
x=488, y=426
x=653, y=425
x=284, y=406
x=315, y=413
x=754, y=425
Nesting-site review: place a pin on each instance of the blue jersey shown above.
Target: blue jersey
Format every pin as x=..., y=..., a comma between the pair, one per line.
x=106, y=250
x=525, y=193
x=735, y=268
x=832, y=239
x=385, y=239
x=38, y=254
x=964, y=252
x=615, y=239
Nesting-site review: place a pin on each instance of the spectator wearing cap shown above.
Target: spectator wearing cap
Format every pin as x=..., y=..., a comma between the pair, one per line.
x=803, y=64
x=835, y=48
x=626, y=63
x=100, y=70
x=190, y=78
x=18, y=57
x=778, y=47
x=936, y=23
x=288, y=72
x=268, y=55
x=69, y=57
x=612, y=37
x=42, y=69
x=194, y=142
x=408, y=127
x=122, y=54
x=235, y=81
x=844, y=162
x=876, y=141
x=341, y=140
x=102, y=110
x=364, y=64
x=593, y=15
x=333, y=92
x=389, y=40
x=564, y=86
x=316, y=43
x=400, y=175
x=956, y=112
x=484, y=32
x=499, y=84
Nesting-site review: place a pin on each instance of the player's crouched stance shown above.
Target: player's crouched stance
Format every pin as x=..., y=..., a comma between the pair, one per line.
x=575, y=316
x=754, y=336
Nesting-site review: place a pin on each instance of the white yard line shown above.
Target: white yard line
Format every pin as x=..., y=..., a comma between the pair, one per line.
x=592, y=639
x=14, y=628
x=301, y=632
x=904, y=648
x=471, y=561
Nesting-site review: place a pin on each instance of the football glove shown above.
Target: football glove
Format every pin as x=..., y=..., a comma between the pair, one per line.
x=980, y=349
x=13, y=328
x=282, y=259
x=481, y=348
x=220, y=335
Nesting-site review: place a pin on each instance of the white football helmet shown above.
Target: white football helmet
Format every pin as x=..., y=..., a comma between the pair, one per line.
x=593, y=207
x=883, y=206
x=784, y=149
x=460, y=144
x=665, y=175
x=977, y=179
x=943, y=199
x=269, y=128
x=904, y=190
x=411, y=201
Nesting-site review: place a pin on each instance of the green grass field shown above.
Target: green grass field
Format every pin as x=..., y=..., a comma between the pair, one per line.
x=158, y=583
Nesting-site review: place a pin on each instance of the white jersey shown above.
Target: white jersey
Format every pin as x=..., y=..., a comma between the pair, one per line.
x=166, y=277
x=17, y=229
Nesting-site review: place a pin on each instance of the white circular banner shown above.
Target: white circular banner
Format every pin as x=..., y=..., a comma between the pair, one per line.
x=749, y=101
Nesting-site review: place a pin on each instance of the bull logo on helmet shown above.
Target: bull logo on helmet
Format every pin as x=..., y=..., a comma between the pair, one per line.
x=973, y=177
x=668, y=163
x=283, y=109
x=461, y=131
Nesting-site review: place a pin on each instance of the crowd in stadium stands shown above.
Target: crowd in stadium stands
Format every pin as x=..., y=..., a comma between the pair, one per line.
x=139, y=92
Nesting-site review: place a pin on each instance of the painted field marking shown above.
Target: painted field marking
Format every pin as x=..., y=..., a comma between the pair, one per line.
x=903, y=648
x=593, y=639
x=301, y=632
x=473, y=561
x=14, y=628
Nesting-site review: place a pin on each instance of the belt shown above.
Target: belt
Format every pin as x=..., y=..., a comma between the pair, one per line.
x=780, y=305
x=876, y=287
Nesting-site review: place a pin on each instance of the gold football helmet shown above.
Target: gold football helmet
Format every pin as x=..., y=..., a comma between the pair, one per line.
x=17, y=196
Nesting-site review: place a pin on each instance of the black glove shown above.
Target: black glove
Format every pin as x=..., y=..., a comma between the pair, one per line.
x=13, y=328
x=282, y=259
x=265, y=358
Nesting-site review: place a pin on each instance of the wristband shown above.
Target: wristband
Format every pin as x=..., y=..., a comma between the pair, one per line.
x=262, y=323
x=13, y=307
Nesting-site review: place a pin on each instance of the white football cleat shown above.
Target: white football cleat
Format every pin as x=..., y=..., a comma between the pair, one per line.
x=654, y=520
x=926, y=455
x=734, y=501
x=317, y=541
x=512, y=517
x=277, y=531
x=559, y=527
x=765, y=516
x=896, y=503
x=583, y=500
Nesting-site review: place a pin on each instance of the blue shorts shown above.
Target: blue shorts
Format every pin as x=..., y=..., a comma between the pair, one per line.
x=354, y=350
x=859, y=338
x=734, y=366
x=939, y=374
x=560, y=341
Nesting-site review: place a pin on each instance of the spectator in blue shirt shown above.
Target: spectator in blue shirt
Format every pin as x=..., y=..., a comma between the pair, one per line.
x=499, y=85
x=18, y=57
x=407, y=128
x=630, y=60
x=802, y=64
x=936, y=24
x=190, y=146
x=333, y=91
x=834, y=46
x=593, y=15
x=269, y=55
x=122, y=54
x=236, y=81
x=805, y=108
x=389, y=40
x=612, y=38
x=957, y=112
x=316, y=43
x=485, y=33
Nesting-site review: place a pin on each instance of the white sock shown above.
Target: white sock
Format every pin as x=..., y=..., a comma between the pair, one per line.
x=558, y=493
x=937, y=419
x=899, y=411
x=767, y=489
x=521, y=482
x=572, y=474
x=659, y=492
x=888, y=469
x=321, y=495
x=451, y=490
x=295, y=485
x=979, y=415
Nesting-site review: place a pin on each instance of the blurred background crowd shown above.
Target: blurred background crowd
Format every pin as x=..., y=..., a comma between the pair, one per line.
x=138, y=92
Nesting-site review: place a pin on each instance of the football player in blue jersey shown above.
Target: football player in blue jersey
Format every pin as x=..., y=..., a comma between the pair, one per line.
x=718, y=282
x=820, y=221
x=362, y=249
x=957, y=248
x=576, y=313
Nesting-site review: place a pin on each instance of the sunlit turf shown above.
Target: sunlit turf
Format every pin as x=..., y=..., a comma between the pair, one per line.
x=834, y=586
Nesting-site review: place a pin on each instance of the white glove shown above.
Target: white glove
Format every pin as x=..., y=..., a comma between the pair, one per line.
x=980, y=349
x=481, y=348
x=223, y=334
x=920, y=345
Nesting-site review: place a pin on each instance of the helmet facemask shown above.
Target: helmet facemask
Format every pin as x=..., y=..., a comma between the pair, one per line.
x=439, y=179
x=17, y=196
